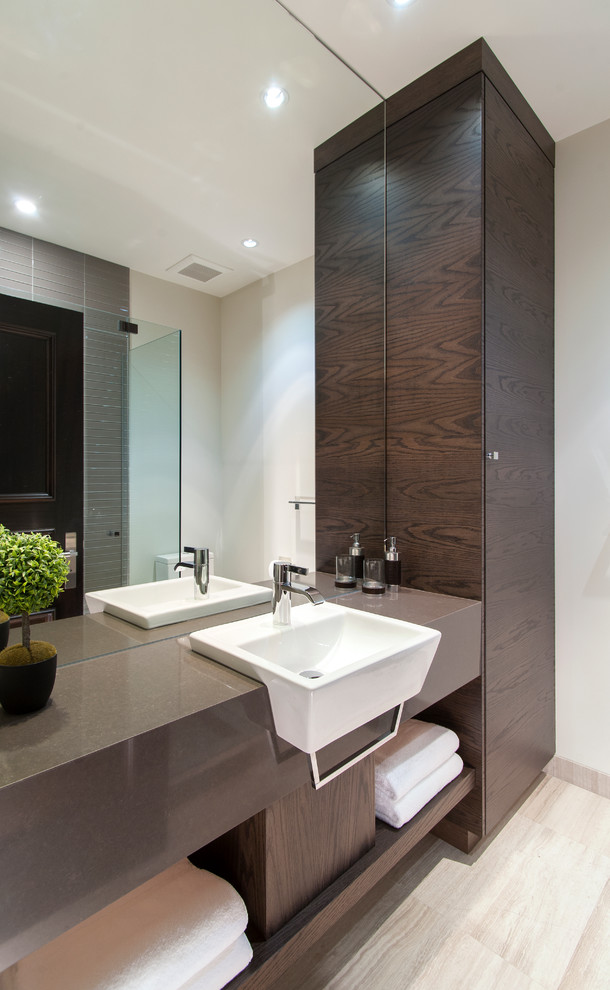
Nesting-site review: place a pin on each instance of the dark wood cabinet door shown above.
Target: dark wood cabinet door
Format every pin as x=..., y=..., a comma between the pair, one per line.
x=519, y=492
x=41, y=423
x=434, y=289
x=469, y=373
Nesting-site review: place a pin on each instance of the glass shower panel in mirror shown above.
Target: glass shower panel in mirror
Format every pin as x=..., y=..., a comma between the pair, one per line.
x=154, y=452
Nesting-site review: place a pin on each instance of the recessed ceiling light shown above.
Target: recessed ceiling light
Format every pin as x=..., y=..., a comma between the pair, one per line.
x=249, y=242
x=400, y=3
x=274, y=96
x=26, y=206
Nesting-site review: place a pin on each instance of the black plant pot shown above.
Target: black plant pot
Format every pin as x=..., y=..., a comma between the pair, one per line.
x=5, y=628
x=27, y=687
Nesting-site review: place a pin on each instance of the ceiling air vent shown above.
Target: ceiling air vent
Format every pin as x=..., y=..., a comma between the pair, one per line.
x=198, y=269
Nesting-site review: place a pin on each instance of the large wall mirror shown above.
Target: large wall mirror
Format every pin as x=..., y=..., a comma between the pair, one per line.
x=202, y=175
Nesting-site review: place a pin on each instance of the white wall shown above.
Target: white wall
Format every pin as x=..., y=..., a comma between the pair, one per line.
x=268, y=423
x=197, y=315
x=583, y=447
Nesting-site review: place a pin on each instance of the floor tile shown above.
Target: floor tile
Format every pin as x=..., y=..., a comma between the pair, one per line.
x=527, y=896
x=528, y=910
x=398, y=953
x=462, y=962
x=571, y=811
x=589, y=967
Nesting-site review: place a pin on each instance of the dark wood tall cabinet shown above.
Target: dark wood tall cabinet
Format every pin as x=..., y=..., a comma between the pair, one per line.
x=465, y=353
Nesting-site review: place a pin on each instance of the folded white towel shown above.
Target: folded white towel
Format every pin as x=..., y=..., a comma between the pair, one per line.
x=156, y=937
x=220, y=972
x=397, y=813
x=417, y=750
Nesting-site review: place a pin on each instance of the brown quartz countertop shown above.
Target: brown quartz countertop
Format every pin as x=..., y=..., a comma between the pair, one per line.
x=112, y=699
x=408, y=604
x=147, y=751
x=116, y=681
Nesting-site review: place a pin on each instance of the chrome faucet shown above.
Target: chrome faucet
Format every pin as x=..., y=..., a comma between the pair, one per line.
x=282, y=588
x=201, y=568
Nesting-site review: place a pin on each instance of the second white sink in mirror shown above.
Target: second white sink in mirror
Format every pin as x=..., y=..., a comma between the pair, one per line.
x=161, y=603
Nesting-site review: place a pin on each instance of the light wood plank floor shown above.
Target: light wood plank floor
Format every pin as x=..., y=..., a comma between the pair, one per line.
x=529, y=909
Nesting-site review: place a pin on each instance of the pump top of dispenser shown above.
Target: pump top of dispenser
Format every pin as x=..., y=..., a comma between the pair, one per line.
x=356, y=550
x=391, y=551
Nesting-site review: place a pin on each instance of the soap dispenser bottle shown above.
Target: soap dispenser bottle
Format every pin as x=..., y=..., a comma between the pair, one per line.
x=357, y=552
x=392, y=563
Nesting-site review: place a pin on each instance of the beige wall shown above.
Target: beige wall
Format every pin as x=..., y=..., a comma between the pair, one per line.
x=197, y=315
x=268, y=422
x=583, y=447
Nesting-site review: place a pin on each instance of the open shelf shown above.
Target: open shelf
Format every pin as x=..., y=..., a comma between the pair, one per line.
x=274, y=956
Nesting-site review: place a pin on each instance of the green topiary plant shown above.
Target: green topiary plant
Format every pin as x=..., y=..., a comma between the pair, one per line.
x=33, y=572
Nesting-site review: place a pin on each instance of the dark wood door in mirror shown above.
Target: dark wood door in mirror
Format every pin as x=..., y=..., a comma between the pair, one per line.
x=41, y=417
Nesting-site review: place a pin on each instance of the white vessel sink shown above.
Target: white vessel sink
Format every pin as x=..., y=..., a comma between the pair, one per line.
x=162, y=602
x=331, y=671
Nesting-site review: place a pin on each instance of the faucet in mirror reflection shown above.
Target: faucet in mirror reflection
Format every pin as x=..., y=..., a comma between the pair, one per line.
x=201, y=569
x=283, y=587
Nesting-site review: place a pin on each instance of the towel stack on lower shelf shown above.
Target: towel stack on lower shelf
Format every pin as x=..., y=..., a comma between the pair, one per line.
x=182, y=930
x=412, y=768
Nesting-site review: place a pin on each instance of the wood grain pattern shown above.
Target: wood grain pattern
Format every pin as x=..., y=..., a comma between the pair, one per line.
x=273, y=957
x=369, y=125
x=475, y=58
x=331, y=828
x=469, y=369
x=335, y=827
x=434, y=287
x=529, y=909
x=350, y=390
x=456, y=835
x=519, y=548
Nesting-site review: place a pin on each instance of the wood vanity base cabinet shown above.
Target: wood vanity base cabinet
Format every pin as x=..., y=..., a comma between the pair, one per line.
x=285, y=855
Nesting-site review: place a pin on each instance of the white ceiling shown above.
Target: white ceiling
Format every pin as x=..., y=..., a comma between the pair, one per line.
x=137, y=125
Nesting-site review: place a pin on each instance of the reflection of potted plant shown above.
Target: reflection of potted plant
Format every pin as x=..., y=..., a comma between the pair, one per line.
x=33, y=571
